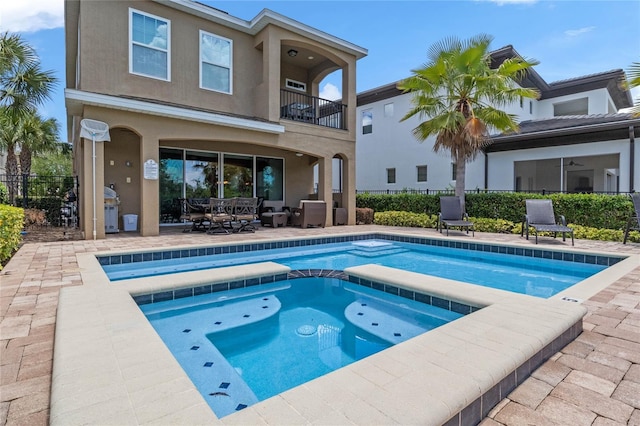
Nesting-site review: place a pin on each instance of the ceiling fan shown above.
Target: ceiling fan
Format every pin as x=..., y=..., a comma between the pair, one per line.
x=572, y=163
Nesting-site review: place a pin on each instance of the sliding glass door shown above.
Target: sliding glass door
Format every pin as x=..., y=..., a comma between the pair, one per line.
x=199, y=174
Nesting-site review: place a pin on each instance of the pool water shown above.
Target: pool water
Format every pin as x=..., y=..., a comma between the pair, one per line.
x=542, y=277
x=246, y=345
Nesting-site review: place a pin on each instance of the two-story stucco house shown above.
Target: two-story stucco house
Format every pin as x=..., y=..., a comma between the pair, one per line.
x=203, y=104
x=571, y=139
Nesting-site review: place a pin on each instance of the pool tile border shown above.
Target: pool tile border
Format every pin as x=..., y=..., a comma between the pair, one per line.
x=427, y=299
x=603, y=260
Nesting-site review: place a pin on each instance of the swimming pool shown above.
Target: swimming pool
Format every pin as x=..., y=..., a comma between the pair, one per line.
x=246, y=345
x=536, y=272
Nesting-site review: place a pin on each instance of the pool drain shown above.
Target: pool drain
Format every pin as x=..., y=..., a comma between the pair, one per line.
x=306, y=330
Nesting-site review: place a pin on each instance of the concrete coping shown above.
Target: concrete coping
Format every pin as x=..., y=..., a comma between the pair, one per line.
x=111, y=367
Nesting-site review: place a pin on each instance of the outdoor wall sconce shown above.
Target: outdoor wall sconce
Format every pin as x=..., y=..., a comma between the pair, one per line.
x=292, y=52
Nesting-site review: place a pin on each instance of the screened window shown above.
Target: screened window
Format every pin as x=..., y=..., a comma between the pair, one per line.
x=367, y=122
x=391, y=175
x=215, y=62
x=149, y=45
x=422, y=173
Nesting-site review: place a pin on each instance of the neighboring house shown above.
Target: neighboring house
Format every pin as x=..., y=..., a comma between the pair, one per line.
x=203, y=104
x=571, y=139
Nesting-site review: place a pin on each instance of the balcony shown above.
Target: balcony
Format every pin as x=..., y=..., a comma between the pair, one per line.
x=303, y=108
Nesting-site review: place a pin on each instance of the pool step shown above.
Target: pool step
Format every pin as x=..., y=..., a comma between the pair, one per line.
x=378, y=253
x=381, y=320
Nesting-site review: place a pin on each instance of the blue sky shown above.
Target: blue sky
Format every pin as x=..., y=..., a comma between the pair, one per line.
x=568, y=38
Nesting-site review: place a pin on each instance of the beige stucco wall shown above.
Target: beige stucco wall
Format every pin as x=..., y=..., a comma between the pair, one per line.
x=259, y=73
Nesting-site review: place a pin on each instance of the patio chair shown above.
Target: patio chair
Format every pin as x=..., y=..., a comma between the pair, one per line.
x=193, y=214
x=452, y=216
x=309, y=213
x=274, y=213
x=220, y=215
x=541, y=218
x=633, y=223
x=245, y=212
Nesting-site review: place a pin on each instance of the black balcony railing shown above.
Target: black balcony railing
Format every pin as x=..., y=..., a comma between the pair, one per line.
x=313, y=110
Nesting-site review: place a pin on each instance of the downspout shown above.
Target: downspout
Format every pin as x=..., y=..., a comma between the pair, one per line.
x=486, y=170
x=632, y=153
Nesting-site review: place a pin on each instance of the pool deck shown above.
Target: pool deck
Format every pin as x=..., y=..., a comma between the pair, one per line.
x=595, y=380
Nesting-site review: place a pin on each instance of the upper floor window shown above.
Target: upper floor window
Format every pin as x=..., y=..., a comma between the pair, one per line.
x=367, y=122
x=530, y=107
x=149, y=48
x=215, y=62
x=422, y=173
x=572, y=107
x=454, y=171
x=521, y=101
x=388, y=110
x=391, y=175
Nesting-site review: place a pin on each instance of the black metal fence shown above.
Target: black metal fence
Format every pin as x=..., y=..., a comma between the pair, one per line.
x=475, y=191
x=55, y=196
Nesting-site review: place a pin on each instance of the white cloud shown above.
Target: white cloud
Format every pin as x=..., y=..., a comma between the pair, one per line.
x=330, y=92
x=575, y=33
x=31, y=15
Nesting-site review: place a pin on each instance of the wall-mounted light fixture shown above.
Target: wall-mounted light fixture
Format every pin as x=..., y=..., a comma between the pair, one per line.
x=127, y=163
x=292, y=52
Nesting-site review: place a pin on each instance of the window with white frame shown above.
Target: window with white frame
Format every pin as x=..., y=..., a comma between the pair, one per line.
x=296, y=85
x=421, y=173
x=388, y=110
x=367, y=122
x=391, y=175
x=149, y=45
x=216, y=62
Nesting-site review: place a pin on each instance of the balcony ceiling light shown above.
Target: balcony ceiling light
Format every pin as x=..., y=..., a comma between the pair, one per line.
x=292, y=52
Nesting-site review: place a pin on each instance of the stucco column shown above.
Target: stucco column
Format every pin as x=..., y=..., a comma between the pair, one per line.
x=349, y=188
x=149, y=188
x=87, y=193
x=325, y=186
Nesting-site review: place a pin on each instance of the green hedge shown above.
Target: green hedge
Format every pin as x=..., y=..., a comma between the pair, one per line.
x=481, y=224
x=11, y=224
x=590, y=210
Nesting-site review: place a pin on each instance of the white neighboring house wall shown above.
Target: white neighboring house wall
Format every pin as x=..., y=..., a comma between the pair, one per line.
x=391, y=144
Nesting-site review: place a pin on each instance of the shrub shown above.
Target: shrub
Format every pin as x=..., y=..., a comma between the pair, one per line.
x=364, y=216
x=34, y=217
x=4, y=196
x=591, y=210
x=397, y=218
x=11, y=223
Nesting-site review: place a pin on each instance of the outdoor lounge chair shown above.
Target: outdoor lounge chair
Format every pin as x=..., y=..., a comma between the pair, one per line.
x=245, y=212
x=309, y=213
x=220, y=215
x=192, y=213
x=633, y=223
x=541, y=218
x=452, y=216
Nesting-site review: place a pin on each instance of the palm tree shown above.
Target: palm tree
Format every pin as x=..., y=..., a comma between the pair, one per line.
x=38, y=136
x=460, y=96
x=10, y=134
x=23, y=83
x=634, y=81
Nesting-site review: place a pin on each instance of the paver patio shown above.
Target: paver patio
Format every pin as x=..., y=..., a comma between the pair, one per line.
x=594, y=380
